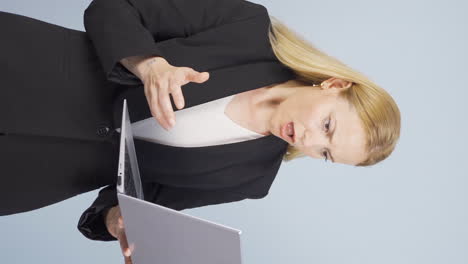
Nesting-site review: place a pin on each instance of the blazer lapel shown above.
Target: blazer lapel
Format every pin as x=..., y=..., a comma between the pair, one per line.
x=210, y=167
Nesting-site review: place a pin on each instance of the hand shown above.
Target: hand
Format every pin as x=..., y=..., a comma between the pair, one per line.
x=160, y=78
x=115, y=226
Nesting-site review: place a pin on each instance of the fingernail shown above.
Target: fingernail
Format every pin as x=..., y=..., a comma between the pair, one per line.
x=127, y=252
x=172, y=122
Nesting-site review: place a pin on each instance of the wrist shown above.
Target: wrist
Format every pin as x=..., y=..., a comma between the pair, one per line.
x=144, y=65
x=138, y=65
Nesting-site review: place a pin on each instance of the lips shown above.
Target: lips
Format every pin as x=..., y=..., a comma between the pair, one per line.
x=284, y=132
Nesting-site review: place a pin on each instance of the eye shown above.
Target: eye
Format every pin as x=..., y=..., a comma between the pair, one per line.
x=327, y=128
x=327, y=125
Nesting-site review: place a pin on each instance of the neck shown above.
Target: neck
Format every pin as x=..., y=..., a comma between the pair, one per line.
x=265, y=101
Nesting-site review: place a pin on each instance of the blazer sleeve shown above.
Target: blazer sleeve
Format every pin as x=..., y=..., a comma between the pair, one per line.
x=91, y=223
x=123, y=28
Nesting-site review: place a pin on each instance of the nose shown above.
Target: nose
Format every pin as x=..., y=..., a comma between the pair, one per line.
x=310, y=139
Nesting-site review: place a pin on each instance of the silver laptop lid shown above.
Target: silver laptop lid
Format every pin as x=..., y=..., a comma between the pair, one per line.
x=157, y=234
x=128, y=181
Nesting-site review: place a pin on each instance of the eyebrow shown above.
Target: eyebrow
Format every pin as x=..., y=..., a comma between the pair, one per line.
x=330, y=138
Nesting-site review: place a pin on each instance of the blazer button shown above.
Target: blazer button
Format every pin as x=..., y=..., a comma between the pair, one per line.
x=103, y=131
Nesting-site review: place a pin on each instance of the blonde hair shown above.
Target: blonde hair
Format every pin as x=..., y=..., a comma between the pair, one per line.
x=377, y=110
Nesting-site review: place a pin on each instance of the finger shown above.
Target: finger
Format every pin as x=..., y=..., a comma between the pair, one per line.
x=127, y=251
x=155, y=109
x=204, y=76
x=123, y=242
x=198, y=77
x=157, y=92
x=151, y=95
x=124, y=246
x=165, y=101
x=178, y=96
x=127, y=260
x=154, y=91
x=121, y=225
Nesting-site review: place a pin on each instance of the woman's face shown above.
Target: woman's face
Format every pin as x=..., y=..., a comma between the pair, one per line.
x=325, y=125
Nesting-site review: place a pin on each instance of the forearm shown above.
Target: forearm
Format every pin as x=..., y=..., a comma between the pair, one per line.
x=139, y=64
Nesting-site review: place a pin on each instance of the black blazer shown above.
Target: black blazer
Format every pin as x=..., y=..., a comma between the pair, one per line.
x=228, y=39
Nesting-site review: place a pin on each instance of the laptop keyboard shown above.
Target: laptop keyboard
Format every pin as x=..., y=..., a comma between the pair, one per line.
x=129, y=184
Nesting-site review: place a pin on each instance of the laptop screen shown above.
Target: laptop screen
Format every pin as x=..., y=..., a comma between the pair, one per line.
x=129, y=181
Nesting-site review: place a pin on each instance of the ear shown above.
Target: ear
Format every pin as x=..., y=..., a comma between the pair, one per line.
x=336, y=83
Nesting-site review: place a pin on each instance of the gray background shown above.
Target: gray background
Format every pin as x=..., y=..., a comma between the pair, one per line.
x=409, y=209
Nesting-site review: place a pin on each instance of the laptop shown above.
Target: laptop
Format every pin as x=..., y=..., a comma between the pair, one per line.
x=157, y=234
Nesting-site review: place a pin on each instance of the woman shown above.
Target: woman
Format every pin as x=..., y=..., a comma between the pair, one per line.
x=63, y=92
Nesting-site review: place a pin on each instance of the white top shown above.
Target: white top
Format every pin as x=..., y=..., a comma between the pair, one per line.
x=201, y=125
